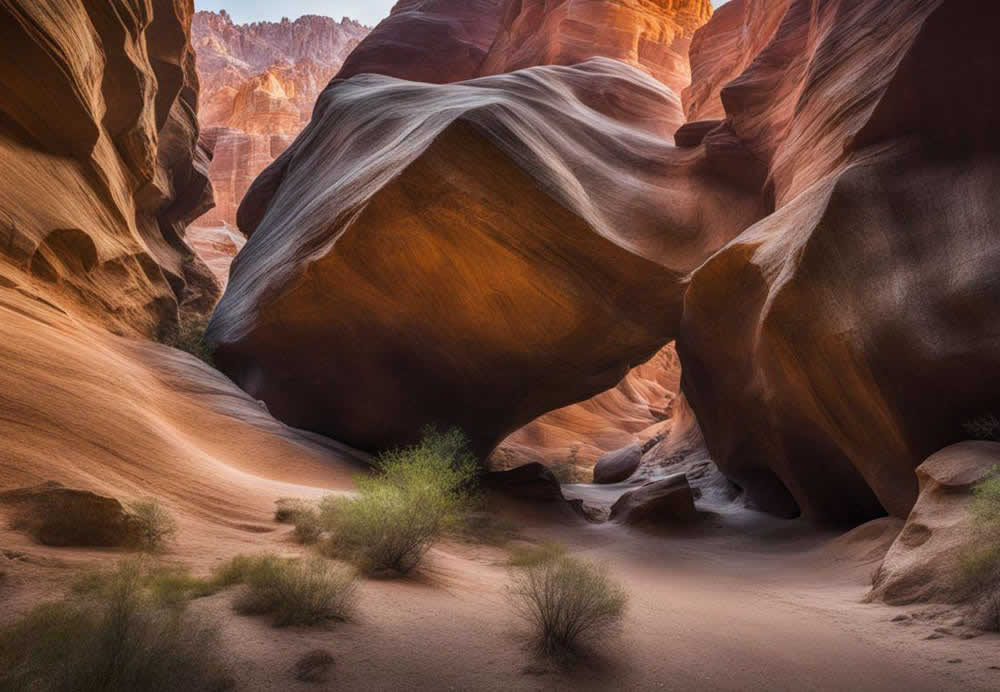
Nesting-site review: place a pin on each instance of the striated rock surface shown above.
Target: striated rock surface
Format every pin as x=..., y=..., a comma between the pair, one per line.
x=371, y=252
x=102, y=168
x=653, y=35
x=100, y=174
x=837, y=343
x=259, y=84
x=923, y=565
x=436, y=41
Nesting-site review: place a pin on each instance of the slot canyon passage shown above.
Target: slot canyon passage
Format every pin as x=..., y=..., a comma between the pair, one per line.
x=712, y=295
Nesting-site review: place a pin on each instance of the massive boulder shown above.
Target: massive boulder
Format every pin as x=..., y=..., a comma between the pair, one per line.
x=653, y=35
x=102, y=170
x=366, y=304
x=837, y=343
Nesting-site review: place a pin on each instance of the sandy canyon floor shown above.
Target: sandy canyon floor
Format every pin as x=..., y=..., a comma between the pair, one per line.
x=743, y=602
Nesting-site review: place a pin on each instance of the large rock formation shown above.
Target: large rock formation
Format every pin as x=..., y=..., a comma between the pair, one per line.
x=653, y=35
x=101, y=165
x=259, y=84
x=836, y=344
x=586, y=220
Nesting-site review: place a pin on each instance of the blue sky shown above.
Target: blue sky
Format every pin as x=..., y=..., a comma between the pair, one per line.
x=366, y=11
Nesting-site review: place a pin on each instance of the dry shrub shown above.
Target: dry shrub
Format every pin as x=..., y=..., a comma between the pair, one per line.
x=153, y=526
x=294, y=592
x=568, y=603
x=115, y=636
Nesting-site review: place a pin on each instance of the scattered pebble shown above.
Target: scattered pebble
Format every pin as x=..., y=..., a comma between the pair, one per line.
x=901, y=618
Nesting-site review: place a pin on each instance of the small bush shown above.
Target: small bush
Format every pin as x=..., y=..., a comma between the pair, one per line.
x=286, y=508
x=416, y=495
x=986, y=427
x=979, y=564
x=308, y=529
x=295, y=592
x=535, y=555
x=190, y=336
x=112, y=637
x=166, y=586
x=154, y=526
x=568, y=602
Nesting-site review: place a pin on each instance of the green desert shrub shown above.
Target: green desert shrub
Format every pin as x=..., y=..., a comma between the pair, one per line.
x=154, y=527
x=293, y=591
x=568, y=603
x=416, y=495
x=113, y=636
x=979, y=565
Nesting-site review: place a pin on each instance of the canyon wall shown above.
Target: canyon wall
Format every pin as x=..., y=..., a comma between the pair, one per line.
x=99, y=139
x=839, y=342
x=653, y=35
x=259, y=84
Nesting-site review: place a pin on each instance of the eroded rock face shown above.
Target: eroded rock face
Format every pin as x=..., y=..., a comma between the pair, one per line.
x=653, y=35
x=101, y=162
x=586, y=220
x=837, y=343
x=923, y=564
x=436, y=41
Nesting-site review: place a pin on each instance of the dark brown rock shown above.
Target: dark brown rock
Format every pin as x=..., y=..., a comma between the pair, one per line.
x=666, y=503
x=66, y=517
x=617, y=466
